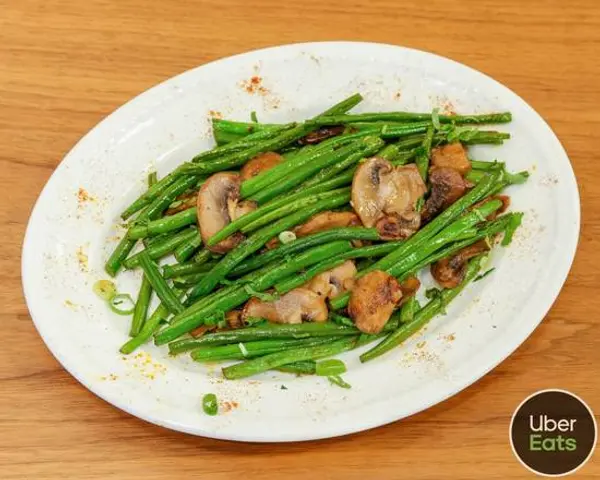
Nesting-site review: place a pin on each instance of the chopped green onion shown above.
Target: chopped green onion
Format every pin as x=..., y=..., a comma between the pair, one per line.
x=105, y=289
x=210, y=404
x=339, y=381
x=328, y=368
x=253, y=116
x=287, y=237
x=119, y=299
x=243, y=349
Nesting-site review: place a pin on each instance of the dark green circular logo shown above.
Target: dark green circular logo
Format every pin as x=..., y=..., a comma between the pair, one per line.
x=553, y=433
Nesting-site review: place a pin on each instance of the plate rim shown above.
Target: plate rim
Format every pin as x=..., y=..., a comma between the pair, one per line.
x=479, y=370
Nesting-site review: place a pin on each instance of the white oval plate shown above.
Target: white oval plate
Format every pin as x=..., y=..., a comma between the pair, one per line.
x=66, y=244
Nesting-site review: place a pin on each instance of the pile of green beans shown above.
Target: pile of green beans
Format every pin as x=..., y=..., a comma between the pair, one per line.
x=200, y=288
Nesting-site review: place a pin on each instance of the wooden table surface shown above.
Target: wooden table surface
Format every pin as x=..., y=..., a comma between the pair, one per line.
x=64, y=65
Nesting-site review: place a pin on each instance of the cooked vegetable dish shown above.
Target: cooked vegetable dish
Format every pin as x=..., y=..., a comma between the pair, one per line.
x=296, y=242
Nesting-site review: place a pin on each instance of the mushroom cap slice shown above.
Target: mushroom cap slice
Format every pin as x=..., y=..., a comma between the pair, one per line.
x=218, y=203
x=449, y=272
x=325, y=221
x=261, y=163
x=333, y=282
x=447, y=186
x=385, y=196
x=295, y=306
x=373, y=300
x=451, y=155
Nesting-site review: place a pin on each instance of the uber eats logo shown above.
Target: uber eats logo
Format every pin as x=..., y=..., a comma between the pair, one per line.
x=553, y=432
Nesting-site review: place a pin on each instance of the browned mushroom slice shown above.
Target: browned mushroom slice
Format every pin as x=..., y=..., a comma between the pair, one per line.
x=321, y=134
x=447, y=186
x=450, y=271
x=373, y=300
x=334, y=282
x=409, y=287
x=452, y=155
x=325, y=221
x=185, y=201
x=295, y=306
x=218, y=204
x=260, y=163
x=385, y=196
x=234, y=319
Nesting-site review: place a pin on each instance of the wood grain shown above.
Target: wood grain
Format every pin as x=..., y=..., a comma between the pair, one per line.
x=64, y=65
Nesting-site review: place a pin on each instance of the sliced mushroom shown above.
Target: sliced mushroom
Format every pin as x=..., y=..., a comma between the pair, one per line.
x=373, y=300
x=295, y=306
x=409, y=287
x=218, y=204
x=451, y=155
x=450, y=272
x=260, y=163
x=447, y=186
x=234, y=319
x=321, y=134
x=385, y=196
x=201, y=330
x=325, y=221
x=186, y=200
x=335, y=281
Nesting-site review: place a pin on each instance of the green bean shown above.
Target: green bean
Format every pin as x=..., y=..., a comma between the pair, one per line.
x=274, y=360
x=162, y=249
x=306, y=367
x=193, y=316
x=241, y=350
x=343, y=106
x=203, y=256
x=189, y=280
x=262, y=236
x=148, y=196
x=509, y=178
x=347, y=233
x=408, y=310
x=140, y=310
x=239, y=158
x=119, y=254
x=167, y=196
x=159, y=284
x=304, y=172
x=301, y=278
x=186, y=249
x=372, y=146
x=290, y=207
x=488, y=229
x=240, y=128
x=503, y=117
x=180, y=270
x=165, y=224
x=160, y=314
x=148, y=241
x=422, y=160
x=264, y=179
x=241, y=144
x=424, y=315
